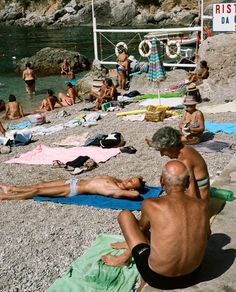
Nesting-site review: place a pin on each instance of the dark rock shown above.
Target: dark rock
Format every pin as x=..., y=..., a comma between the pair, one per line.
x=47, y=61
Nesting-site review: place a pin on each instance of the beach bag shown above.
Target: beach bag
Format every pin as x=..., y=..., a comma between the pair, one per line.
x=155, y=113
x=37, y=119
x=112, y=140
x=21, y=138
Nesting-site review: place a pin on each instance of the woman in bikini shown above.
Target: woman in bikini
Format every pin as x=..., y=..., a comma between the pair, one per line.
x=13, y=109
x=29, y=77
x=122, y=69
x=192, y=123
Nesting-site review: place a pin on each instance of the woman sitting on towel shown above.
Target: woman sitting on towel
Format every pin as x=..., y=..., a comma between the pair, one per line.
x=108, y=92
x=192, y=123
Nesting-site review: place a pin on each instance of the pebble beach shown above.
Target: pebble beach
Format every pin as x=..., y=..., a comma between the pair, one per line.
x=39, y=240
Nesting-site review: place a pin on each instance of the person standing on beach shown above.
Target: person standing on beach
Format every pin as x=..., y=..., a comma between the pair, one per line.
x=29, y=77
x=103, y=185
x=168, y=242
x=13, y=109
x=167, y=140
x=68, y=98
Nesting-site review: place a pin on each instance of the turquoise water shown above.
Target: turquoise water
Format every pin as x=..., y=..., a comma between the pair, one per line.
x=25, y=42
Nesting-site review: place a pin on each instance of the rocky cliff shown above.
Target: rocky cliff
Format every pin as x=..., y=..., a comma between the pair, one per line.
x=56, y=13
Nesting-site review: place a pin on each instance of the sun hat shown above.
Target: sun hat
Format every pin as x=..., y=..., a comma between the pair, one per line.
x=192, y=87
x=189, y=100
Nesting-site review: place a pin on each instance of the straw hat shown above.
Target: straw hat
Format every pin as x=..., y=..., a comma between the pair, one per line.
x=191, y=87
x=189, y=100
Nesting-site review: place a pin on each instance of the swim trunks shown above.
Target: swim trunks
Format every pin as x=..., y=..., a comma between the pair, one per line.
x=120, y=69
x=72, y=183
x=141, y=253
x=30, y=82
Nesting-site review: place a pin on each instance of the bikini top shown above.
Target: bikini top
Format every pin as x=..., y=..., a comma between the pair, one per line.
x=194, y=121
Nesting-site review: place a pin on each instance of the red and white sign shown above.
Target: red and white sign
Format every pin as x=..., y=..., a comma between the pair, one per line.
x=224, y=17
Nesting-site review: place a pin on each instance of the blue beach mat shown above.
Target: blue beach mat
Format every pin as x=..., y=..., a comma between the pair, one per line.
x=21, y=125
x=99, y=201
x=72, y=81
x=228, y=128
x=89, y=273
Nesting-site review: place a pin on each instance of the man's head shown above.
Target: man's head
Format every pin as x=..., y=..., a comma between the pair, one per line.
x=167, y=140
x=28, y=65
x=12, y=98
x=69, y=85
x=175, y=174
x=134, y=183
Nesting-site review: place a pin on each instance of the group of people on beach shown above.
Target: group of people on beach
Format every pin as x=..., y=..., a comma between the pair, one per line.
x=163, y=241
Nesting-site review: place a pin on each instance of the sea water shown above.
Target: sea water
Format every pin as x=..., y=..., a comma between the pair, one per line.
x=17, y=43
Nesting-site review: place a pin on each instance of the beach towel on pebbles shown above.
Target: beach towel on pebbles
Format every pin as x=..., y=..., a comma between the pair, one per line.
x=45, y=155
x=89, y=273
x=99, y=201
x=228, y=128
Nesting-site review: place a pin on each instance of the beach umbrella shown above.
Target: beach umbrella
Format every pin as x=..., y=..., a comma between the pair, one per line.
x=156, y=71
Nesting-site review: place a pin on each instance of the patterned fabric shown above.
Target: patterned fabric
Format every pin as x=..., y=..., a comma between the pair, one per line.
x=156, y=71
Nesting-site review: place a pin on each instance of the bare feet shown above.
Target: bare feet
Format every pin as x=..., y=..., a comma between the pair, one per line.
x=115, y=261
x=119, y=245
x=5, y=188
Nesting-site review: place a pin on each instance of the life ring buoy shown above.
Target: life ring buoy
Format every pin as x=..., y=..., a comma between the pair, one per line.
x=140, y=48
x=120, y=44
x=173, y=43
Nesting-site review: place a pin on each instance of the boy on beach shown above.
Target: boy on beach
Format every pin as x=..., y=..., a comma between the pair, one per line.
x=102, y=185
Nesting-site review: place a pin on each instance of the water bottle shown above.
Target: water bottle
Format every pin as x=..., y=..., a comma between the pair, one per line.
x=222, y=194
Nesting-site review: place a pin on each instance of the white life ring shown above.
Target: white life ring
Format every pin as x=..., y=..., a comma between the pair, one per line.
x=140, y=48
x=173, y=43
x=120, y=44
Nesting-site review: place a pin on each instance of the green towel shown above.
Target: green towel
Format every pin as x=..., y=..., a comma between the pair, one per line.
x=88, y=273
x=162, y=95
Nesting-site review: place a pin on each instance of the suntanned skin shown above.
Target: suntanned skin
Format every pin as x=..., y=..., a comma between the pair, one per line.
x=2, y=130
x=191, y=114
x=28, y=74
x=13, y=110
x=196, y=166
x=102, y=185
x=69, y=98
x=171, y=225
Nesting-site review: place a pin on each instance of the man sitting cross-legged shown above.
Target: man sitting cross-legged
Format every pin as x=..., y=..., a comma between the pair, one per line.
x=102, y=185
x=168, y=242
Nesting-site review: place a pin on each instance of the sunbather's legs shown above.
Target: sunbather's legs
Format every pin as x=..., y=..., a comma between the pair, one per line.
x=43, y=184
x=50, y=189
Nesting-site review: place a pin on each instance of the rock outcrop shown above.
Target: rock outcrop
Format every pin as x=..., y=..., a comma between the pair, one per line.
x=221, y=58
x=108, y=12
x=47, y=61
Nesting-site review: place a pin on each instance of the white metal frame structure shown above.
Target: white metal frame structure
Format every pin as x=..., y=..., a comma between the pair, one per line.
x=162, y=30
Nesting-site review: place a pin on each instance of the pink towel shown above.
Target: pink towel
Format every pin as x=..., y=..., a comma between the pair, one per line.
x=45, y=155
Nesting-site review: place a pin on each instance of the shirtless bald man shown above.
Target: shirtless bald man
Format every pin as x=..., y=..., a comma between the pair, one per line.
x=102, y=185
x=163, y=241
x=168, y=141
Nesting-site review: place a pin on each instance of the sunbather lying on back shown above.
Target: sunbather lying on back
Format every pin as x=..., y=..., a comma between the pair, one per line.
x=102, y=185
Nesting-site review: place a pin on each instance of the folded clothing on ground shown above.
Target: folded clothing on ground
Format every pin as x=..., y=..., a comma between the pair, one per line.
x=89, y=273
x=99, y=201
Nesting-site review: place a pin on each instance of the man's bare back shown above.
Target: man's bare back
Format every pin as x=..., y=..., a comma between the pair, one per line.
x=173, y=236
